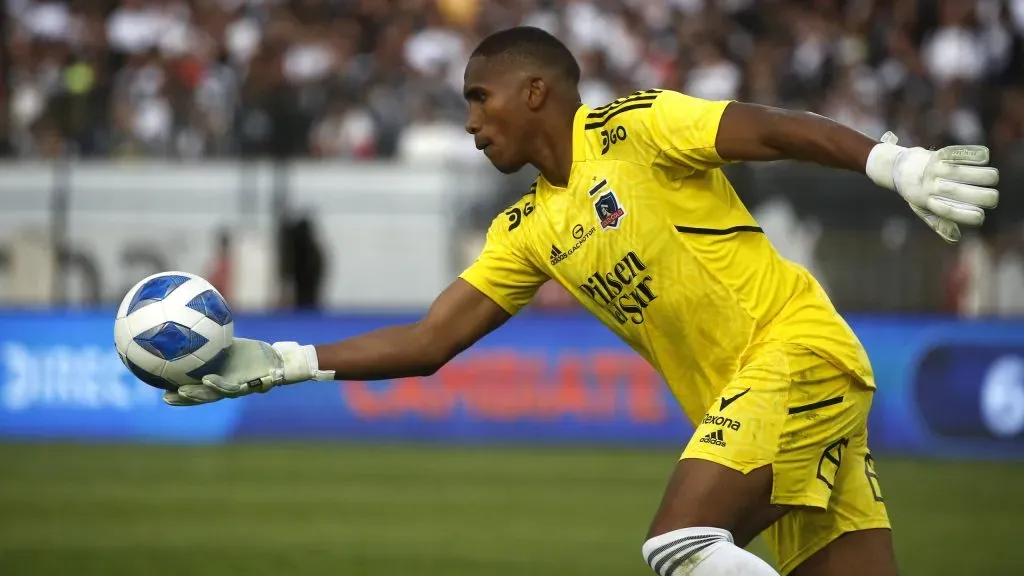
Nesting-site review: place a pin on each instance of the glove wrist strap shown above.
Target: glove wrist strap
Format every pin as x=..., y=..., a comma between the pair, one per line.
x=881, y=164
x=314, y=365
x=300, y=363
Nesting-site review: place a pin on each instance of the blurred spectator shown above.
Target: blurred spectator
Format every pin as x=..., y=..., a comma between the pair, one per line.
x=345, y=78
x=220, y=270
x=301, y=264
x=987, y=278
x=346, y=131
x=430, y=138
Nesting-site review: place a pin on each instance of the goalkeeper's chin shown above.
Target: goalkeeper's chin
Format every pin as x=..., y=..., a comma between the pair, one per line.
x=504, y=165
x=508, y=168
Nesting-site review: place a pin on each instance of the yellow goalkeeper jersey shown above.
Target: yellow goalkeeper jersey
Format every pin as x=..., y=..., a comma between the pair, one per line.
x=650, y=237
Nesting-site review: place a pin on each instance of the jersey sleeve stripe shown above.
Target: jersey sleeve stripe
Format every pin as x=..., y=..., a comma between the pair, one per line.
x=639, y=95
x=718, y=231
x=616, y=112
x=601, y=112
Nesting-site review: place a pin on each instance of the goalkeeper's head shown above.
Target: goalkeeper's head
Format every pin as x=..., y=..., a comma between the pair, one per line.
x=522, y=88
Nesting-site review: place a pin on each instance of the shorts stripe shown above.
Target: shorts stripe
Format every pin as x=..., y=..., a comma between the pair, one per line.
x=816, y=405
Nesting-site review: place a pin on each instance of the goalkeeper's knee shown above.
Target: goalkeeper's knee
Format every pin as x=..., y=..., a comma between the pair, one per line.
x=701, y=552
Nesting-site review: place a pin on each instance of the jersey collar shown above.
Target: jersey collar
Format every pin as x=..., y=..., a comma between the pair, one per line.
x=579, y=141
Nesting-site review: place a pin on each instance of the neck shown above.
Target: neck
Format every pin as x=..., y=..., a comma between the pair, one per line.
x=554, y=158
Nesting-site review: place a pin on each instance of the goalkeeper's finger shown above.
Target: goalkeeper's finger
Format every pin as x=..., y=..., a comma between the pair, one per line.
x=199, y=394
x=974, y=195
x=946, y=229
x=958, y=212
x=970, y=154
x=223, y=386
x=977, y=175
x=177, y=399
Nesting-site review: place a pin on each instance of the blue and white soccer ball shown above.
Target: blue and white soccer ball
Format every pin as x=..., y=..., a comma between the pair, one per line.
x=172, y=329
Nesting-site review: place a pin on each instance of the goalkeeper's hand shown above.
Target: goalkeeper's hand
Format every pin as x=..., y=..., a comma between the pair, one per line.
x=252, y=366
x=946, y=188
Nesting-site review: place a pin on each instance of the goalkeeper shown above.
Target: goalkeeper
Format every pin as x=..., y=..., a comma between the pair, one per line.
x=634, y=216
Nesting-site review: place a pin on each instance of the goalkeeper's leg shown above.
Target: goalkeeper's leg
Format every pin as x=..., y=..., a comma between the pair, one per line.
x=782, y=450
x=709, y=513
x=687, y=538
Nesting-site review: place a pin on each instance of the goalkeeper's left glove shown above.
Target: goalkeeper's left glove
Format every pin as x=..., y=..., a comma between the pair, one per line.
x=252, y=366
x=945, y=188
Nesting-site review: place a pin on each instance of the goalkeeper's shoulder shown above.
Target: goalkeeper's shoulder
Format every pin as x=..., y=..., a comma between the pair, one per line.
x=515, y=218
x=512, y=234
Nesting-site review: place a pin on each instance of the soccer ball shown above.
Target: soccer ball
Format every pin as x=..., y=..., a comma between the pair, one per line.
x=172, y=329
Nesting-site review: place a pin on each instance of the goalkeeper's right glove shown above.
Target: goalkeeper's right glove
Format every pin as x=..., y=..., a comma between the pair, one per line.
x=252, y=366
x=945, y=188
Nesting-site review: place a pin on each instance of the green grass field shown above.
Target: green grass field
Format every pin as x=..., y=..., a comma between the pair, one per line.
x=358, y=510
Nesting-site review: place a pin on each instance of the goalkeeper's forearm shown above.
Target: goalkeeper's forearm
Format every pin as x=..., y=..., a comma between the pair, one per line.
x=392, y=352
x=459, y=317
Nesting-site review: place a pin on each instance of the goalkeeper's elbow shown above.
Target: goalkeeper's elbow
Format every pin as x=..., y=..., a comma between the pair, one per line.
x=430, y=352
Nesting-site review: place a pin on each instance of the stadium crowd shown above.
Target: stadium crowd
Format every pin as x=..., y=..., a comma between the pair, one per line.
x=382, y=78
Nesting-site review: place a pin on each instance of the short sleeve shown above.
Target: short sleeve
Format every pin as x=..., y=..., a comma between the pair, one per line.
x=684, y=129
x=502, y=271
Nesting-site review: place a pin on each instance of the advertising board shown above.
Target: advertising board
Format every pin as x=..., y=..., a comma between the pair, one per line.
x=946, y=388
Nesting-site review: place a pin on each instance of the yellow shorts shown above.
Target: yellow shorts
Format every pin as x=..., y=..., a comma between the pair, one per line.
x=792, y=409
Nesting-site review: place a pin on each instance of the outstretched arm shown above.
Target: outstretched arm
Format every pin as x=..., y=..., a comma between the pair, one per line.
x=460, y=316
x=945, y=188
x=496, y=286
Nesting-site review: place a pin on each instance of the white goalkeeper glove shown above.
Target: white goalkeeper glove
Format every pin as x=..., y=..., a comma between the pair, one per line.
x=946, y=188
x=252, y=366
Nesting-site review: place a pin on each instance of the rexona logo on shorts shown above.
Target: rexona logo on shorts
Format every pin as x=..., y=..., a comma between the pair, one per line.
x=716, y=438
x=722, y=421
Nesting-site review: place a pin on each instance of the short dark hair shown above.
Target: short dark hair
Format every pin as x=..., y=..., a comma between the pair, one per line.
x=529, y=43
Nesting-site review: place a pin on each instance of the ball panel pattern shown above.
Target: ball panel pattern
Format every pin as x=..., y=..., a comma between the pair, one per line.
x=151, y=379
x=170, y=341
x=172, y=329
x=122, y=335
x=211, y=367
x=146, y=367
x=211, y=305
x=214, y=333
x=155, y=290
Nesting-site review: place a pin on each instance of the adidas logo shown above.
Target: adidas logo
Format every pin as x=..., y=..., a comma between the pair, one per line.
x=556, y=255
x=716, y=438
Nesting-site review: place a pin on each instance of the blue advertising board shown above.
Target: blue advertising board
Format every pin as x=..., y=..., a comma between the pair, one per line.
x=947, y=388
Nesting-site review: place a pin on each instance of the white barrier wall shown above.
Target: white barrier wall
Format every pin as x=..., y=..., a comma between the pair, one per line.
x=387, y=229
